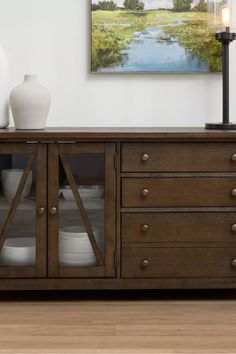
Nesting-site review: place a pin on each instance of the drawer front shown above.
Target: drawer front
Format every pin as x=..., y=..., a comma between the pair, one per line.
x=178, y=157
x=182, y=192
x=178, y=262
x=178, y=227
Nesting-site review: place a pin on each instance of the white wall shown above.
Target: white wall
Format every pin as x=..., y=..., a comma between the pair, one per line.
x=51, y=38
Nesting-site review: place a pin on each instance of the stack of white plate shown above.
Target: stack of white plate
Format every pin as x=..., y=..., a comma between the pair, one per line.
x=75, y=248
x=19, y=251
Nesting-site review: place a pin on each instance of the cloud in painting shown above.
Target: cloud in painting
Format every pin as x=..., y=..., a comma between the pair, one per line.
x=150, y=4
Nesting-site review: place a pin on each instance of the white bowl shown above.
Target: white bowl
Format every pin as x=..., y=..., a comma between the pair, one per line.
x=10, y=180
x=19, y=251
x=86, y=192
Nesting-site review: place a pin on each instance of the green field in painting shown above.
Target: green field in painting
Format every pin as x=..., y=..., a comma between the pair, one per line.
x=113, y=30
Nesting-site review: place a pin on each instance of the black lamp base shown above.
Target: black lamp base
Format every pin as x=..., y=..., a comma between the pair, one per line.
x=220, y=126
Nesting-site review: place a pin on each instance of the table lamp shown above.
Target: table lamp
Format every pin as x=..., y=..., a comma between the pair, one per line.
x=221, y=18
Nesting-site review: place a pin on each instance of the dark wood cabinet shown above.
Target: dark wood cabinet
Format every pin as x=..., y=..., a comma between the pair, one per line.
x=23, y=217
x=177, y=262
x=140, y=208
x=178, y=227
x=178, y=192
x=178, y=157
x=77, y=164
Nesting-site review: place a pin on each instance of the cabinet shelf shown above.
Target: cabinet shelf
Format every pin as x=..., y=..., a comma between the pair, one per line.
x=89, y=204
x=27, y=204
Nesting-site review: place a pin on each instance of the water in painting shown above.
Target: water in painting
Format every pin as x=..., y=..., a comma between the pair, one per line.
x=136, y=36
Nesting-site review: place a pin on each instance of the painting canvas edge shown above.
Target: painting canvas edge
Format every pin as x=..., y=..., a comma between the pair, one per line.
x=139, y=72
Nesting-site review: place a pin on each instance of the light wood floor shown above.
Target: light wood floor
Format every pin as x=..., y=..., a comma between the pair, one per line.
x=112, y=325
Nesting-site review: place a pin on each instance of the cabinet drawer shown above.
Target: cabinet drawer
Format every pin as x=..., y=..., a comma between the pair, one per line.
x=167, y=192
x=179, y=227
x=178, y=262
x=178, y=157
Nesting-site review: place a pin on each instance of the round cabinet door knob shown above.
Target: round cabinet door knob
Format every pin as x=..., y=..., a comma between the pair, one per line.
x=145, y=192
x=41, y=210
x=233, y=158
x=145, y=228
x=233, y=263
x=53, y=211
x=234, y=192
x=233, y=227
x=145, y=263
x=145, y=157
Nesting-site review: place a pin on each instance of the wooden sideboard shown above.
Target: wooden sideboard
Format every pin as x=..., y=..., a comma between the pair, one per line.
x=167, y=217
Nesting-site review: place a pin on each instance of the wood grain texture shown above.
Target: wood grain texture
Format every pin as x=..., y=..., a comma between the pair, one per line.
x=16, y=149
x=181, y=192
x=117, y=284
x=17, y=272
x=118, y=211
x=110, y=210
x=41, y=202
x=53, y=201
x=178, y=262
x=81, y=272
x=180, y=210
x=178, y=157
x=170, y=326
x=176, y=245
x=96, y=134
x=178, y=227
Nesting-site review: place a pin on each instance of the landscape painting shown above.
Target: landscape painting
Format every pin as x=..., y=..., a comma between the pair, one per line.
x=153, y=36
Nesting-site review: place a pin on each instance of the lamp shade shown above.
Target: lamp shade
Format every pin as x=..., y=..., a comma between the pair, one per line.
x=221, y=14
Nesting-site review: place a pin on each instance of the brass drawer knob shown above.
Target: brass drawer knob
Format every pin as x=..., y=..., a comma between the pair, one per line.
x=145, y=228
x=234, y=192
x=41, y=210
x=233, y=158
x=233, y=227
x=53, y=211
x=145, y=263
x=145, y=157
x=233, y=263
x=145, y=192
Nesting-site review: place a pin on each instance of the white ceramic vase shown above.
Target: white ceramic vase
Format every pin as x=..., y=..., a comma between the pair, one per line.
x=4, y=90
x=30, y=104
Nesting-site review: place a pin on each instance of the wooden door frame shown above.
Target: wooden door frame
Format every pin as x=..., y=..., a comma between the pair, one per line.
x=39, y=153
x=108, y=268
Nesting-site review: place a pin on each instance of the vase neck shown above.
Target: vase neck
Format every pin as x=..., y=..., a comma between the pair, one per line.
x=30, y=78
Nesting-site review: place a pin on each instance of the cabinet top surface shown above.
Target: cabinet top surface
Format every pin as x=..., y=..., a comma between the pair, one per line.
x=116, y=134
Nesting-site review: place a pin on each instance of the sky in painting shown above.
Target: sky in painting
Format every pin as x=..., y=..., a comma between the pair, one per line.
x=149, y=4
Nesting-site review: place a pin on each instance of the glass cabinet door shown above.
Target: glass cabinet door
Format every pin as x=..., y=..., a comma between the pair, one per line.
x=82, y=210
x=23, y=203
